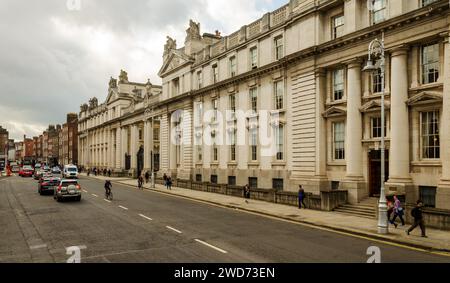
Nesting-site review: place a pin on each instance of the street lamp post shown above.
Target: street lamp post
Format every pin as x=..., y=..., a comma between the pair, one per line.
x=377, y=50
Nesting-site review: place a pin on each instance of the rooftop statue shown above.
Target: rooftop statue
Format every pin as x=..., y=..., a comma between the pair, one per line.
x=112, y=83
x=193, y=32
x=170, y=45
x=123, y=78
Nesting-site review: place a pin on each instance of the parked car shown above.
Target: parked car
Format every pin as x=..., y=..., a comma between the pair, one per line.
x=47, y=168
x=70, y=171
x=56, y=170
x=26, y=171
x=67, y=189
x=47, y=185
x=15, y=168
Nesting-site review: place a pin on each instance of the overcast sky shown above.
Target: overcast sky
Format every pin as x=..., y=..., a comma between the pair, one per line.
x=54, y=57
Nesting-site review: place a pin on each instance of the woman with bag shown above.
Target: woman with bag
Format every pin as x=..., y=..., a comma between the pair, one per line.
x=398, y=212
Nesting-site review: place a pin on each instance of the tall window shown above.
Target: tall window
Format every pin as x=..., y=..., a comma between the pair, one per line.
x=199, y=151
x=279, y=132
x=176, y=86
x=278, y=184
x=377, y=82
x=215, y=73
x=338, y=26
x=233, y=66
x=339, y=140
x=253, y=182
x=254, y=144
x=232, y=101
x=233, y=145
x=199, y=114
x=215, y=105
x=430, y=135
x=279, y=47
x=430, y=63
x=378, y=11
x=199, y=79
x=376, y=127
x=254, y=99
x=215, y=150
x=279, y=95
x=338, y=84
x=254, y=57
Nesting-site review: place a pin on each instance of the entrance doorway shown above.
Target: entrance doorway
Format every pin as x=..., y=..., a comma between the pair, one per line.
x=375, y=172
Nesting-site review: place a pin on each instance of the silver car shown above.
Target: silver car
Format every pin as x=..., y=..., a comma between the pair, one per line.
x=67, y=189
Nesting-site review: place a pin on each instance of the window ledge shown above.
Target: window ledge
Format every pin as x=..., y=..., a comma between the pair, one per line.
x=253, y=163
x=334, y=103
x=336, y=163
x=429, y=162
x=427, y=86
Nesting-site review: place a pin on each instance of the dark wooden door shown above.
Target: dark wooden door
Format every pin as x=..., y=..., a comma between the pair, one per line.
x=375, y=172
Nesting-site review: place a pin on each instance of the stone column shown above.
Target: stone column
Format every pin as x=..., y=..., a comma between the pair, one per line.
x=354, y=180
x=321, y=132
x=133, y=147
x=148, y=144
x=124, y=147
x=443, y=191
x=118, y=149
x=399, y=153
x=172, y=147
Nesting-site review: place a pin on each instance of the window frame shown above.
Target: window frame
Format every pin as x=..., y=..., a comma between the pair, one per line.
x=334, y=27
x=334, y=85
x=277, y=96
x=341, y=156
x=423, y=148
x=425, y=77
x=279, y=47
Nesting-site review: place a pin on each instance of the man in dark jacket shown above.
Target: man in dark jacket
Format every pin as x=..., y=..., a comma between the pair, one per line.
x=418, y=219
x=301, y=197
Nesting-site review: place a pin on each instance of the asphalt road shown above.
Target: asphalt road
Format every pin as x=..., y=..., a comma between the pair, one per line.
x=143, y=226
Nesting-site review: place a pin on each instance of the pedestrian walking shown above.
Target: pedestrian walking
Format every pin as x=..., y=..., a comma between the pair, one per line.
x=301, y=197
x=398, y=212
x=169, y=183
x=109, y=173
x=246, y=193
x=140, y=182
x=147, y=177
x=390, y=210
x=418, y=219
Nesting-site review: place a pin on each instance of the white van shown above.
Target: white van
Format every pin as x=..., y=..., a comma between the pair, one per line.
x=70, y=171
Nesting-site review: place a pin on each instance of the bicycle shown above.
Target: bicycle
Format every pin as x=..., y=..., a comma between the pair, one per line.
x=109, y=196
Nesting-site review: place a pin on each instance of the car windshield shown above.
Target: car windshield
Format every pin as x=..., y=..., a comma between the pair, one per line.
x=72, y=169
x=27, y=168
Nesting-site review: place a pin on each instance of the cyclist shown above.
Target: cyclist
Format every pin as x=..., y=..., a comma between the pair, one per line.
x=108, y=187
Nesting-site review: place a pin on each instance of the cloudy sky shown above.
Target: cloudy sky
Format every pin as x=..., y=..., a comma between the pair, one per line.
x=54, y=56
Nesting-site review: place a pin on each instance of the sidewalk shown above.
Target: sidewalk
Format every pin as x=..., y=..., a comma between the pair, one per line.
x=438, y=241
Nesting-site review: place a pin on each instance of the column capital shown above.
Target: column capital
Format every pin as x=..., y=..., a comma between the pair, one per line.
x=320, y=72
x=354, y=63
x=400, y=50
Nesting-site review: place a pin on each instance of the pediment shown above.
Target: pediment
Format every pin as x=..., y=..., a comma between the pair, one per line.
x=425, y=97
x=335, y=111
x=374, y=105
x=112, y=96
x=175, y=60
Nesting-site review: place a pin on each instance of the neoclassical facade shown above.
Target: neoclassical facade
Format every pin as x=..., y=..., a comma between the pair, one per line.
x=119, y=134
x=296, y=73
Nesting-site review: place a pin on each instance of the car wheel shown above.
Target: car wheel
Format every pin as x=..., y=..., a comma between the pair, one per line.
x=79, y=198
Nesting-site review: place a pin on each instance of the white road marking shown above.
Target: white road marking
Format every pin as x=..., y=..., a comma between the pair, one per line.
x=211, y=246
x=85, y=191
x=173, y=229
x=94, y=195
x=37, y=247
x=123, y=207
x=143, y=216
x=107, y=200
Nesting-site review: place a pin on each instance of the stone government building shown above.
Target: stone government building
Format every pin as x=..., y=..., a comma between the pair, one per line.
x=302, y=63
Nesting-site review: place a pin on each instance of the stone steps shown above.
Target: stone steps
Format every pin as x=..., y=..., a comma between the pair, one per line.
x=366, y=209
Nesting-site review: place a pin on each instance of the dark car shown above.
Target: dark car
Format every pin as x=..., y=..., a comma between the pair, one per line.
x=47, y=185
